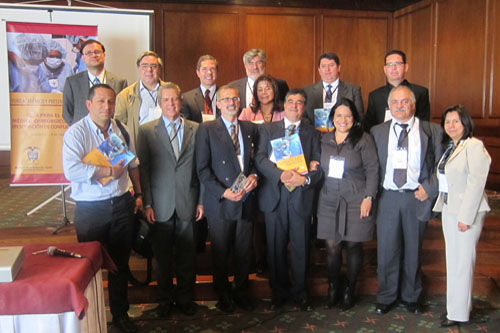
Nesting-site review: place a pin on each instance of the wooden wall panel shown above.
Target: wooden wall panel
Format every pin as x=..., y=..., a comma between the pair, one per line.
x=188, y=35
x=460, y=55
x=289, y=44
x=360, y=43
x=412, y=33
x=495, y=68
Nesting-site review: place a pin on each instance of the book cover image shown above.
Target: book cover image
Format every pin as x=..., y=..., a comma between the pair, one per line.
x=110, y=152
x=321, y=121
x=288, y=153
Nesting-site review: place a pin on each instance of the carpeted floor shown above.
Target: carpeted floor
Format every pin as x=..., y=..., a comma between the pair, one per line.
x=360, y=319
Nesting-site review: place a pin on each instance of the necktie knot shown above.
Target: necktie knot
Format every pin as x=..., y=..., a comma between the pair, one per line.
x=96, y=81
x=291, y=129
x=234, y=138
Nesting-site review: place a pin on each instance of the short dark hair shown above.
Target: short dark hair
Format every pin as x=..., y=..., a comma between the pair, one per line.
x=274, y=86
x=465, y=118
x=330, y=56
x=398, y=52
x=205, y=58
x=96, y=86
x=356, y=130
x=296, y=91
x=149, y=54
x=92, y=41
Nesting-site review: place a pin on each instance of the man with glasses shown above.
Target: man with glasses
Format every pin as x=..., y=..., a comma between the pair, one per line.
x=200, y=104
x=166, y=149
x=225, y=165
x=286, y=198
x=138, y=103
x=76, y=87
x=255, y=66
x=395, y=69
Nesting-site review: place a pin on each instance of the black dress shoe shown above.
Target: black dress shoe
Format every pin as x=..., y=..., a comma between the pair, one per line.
x=163, y=310
x=276, y=304
x=189, y=308
x=124, y=324
x=304, y=305
x=347, y=300
x=381, y=308
x=225, y=304
x=413, y=307
x=449, y=323
x=244, y=303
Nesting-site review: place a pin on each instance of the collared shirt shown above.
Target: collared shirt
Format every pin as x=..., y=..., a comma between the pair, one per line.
x=228, y=124
x=335, y=91
x=179, y=124
x=81, y=138
x=249, y=92
x=414, y=150
x=288, y=123
x=212, y=95
x=101, y=77
x=149, y=104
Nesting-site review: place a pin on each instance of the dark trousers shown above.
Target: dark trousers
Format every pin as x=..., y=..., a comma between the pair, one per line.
x=399, y=239
x=283, y=227
x=226, y=237
x=110, y=222
x=174, y=249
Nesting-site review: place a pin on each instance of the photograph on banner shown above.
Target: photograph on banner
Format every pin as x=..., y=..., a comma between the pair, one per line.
x=40, y=58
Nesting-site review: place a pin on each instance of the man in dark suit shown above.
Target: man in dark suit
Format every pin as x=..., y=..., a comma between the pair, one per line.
x=255, y=66
x=326, y=92
x=224, y=150
x=395, y=69
x=171, y=190
x=76, y=87
x=288, y=212
x=408, y=149
x=200, y=104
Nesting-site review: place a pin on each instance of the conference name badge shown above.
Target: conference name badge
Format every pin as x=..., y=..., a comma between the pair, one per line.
x=400, y=158
x=336, y=167
x=443, y=183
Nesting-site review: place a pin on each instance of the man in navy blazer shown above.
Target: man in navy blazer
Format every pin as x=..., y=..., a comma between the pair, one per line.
x=224, y=150
x=201, y=102
x=76, y=87
x=286, y=198
x=254, y=61
x=408, y=150
x=330, y=84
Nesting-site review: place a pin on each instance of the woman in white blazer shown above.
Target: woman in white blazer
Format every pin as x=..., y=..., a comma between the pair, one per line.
x=462, y=173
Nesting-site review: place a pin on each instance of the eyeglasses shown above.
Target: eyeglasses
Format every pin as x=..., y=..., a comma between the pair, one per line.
x=394, y=64
x=230, y=99
x=148, y=66
x=96, y=52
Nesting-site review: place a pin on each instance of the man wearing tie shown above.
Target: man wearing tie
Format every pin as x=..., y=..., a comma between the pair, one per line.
x=408, y=150
x=200, y=104
x=254, y=61
x=224, y=150
x=324, y=94
x=172, y=198
x=288, y=212
x=76, y=87
x=138, y=103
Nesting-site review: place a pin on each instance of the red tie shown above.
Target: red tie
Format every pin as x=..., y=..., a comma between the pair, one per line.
x=208, y=103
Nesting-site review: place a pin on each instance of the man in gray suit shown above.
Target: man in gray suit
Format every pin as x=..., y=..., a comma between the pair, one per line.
x=255, y=66
x=138, y=103
x=325, y=93
x=408, y=149
x=166, y=149
x=200, y=104
x=76, y=87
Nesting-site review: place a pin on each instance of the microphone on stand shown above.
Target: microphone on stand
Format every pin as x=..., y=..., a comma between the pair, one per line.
x=55, y=252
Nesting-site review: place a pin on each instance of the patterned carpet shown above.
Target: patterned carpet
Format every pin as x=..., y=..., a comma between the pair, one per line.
x=360, y=319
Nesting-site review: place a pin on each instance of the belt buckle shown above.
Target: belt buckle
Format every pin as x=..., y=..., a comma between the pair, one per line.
x=401, y=190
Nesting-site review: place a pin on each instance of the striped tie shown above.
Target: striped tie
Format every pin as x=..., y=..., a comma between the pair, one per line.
x=234, y=137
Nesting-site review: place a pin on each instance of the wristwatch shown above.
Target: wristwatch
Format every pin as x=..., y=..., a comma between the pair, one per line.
x=369, y=197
